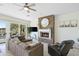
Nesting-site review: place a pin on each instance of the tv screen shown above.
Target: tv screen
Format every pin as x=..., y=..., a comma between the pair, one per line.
x=32, y=29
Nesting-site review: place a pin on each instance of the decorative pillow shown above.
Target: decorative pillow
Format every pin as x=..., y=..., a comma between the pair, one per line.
x=16, y=40
x=22, y=39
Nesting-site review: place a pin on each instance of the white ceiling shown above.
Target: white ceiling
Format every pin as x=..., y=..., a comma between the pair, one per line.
x=43, y=9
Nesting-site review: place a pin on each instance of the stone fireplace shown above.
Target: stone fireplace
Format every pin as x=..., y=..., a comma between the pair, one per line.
x=47, y=29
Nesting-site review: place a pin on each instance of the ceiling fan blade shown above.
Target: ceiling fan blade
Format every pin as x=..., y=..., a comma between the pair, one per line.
x=18, y=5
x=31, y=8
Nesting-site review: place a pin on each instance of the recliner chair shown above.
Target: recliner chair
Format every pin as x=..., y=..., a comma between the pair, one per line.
x=61, y=49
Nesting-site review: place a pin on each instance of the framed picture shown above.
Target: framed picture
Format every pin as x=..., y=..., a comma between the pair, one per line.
x=22, y=29
x=14, y=29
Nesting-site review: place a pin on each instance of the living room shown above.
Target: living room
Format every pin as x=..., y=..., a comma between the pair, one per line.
x=33, y=32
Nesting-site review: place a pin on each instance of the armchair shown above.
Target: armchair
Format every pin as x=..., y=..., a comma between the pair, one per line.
x=61, y=49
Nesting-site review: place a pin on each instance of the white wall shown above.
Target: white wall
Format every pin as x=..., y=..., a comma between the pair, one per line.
x=67, y=33
x=34, y=23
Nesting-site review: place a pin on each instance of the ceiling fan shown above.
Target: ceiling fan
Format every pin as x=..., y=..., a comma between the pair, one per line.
x=28, y=7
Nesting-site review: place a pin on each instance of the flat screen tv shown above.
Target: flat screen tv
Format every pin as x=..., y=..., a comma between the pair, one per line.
x=32, y=29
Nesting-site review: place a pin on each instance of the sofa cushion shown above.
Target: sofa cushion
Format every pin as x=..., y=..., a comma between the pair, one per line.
x=23, y=39
x=30, y=46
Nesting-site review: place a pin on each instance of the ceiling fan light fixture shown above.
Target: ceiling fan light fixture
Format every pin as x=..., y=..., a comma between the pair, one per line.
x=25, y=8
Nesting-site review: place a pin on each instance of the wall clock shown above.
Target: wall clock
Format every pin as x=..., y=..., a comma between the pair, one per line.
x=44, y=22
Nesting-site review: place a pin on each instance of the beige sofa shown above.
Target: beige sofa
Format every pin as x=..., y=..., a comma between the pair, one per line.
x=18, y=48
